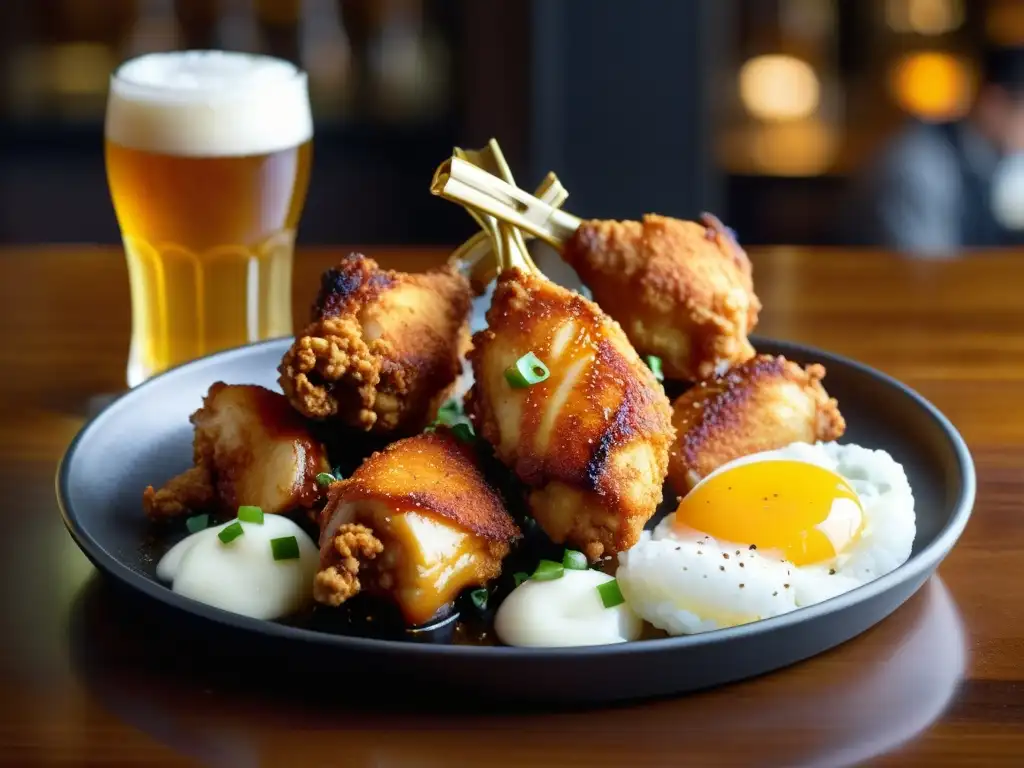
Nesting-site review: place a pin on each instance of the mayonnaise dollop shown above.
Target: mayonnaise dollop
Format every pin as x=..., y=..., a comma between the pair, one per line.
x=563, y=612
x=242, y=576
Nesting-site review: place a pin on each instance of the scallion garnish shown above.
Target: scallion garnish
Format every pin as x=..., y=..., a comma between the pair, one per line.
x=250, y=514
x=520, y=577
x=610, y=593
x=324, y=479
x=231, y=532
x=479, y=598
x=548, y=570
x=464, y=432
x=285, y=548
x=197, y=523
x=574, y=561
x=654, y=363
x=527, y=371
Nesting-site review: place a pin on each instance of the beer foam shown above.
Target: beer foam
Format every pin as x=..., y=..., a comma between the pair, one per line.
x=208, y=103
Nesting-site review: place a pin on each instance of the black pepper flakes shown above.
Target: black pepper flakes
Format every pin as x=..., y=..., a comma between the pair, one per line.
x=831, y=571
x=785, y=586
x=752, y=547
x=743, y=565
x=775, y=594
x=742, y=585
x=725, y=555
x=721, y=567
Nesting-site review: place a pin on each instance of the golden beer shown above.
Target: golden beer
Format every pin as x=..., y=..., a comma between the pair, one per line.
x=208, y=158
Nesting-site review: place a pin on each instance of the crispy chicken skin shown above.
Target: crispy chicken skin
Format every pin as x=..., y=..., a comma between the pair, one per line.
x=250, y=447
x=681, y=290
x=591, y=442
x=416, y=523
x=763, y=404
x=383, y=348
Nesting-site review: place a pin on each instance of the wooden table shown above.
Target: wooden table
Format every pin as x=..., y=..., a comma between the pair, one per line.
x=84, y=680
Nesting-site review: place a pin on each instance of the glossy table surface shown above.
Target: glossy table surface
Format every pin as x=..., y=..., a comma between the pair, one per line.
x=89, y=677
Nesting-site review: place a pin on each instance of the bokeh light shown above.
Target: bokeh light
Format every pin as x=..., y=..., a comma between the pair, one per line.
x=777, y=87
x=932, y=85
x=924, y=17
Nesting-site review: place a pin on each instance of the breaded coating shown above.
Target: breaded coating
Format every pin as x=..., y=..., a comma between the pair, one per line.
x=681, y=290
x=592, y=440
x=763, y=404
x=416, y=523
x=250, y=447
x=190, y=491
x=383, y=348
x=351, y=544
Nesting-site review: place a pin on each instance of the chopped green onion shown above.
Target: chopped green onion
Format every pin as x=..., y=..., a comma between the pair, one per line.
x=479, y=598
x=197, y=523
x=610, y=593
x=520, y=577
x=232, y=532
x=548, y=570
x=285, y=548
x=527, y=371
x=450, y=407
x=464, y=432
x=250, y=514
x=574, y=561
x=324, y=479
x=654, y=363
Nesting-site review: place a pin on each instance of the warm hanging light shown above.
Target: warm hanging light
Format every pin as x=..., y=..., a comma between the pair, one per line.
x=932, y=85
x=924, y=17
x=777, y=87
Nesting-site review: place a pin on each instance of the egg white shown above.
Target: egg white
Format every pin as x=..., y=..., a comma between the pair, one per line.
x=685, y=581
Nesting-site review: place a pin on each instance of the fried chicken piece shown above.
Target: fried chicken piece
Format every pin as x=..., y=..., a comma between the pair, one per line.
x=250, y=447
x=681, y=290
x=416, y=523
x=383, y=348
x=592, y=440
x=765, y=403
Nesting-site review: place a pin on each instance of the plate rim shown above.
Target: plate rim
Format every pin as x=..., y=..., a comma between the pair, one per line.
x=921, y=563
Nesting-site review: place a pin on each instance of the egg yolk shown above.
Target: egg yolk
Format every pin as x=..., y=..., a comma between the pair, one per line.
x=807, y=513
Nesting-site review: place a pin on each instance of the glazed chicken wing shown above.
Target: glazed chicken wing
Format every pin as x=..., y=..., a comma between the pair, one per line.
x=591, y=441
x=383, y=349
x=416, y=523
x=765, y=403
x=250, y=447
x=681, y=290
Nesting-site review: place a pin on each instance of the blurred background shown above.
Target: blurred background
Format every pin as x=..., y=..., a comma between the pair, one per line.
x=764, y=111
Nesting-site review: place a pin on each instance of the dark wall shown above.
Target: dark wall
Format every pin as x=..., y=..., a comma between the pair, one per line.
x=623, y=103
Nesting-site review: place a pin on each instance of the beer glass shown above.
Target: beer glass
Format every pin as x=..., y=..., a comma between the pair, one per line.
x=208, y=158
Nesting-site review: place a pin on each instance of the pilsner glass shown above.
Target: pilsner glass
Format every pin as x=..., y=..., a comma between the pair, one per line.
x=208, y=158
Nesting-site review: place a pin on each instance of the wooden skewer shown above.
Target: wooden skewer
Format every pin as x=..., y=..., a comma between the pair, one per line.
x=486, y=194
x=477, y=256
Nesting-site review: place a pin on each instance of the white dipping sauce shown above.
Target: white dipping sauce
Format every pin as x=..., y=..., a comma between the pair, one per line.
x=242, y=576
x=564, y=612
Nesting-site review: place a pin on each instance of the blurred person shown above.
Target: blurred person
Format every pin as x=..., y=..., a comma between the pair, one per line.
x=933, y=189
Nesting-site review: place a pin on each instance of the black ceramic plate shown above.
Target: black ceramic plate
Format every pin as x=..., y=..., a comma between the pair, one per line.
x=144, y=438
